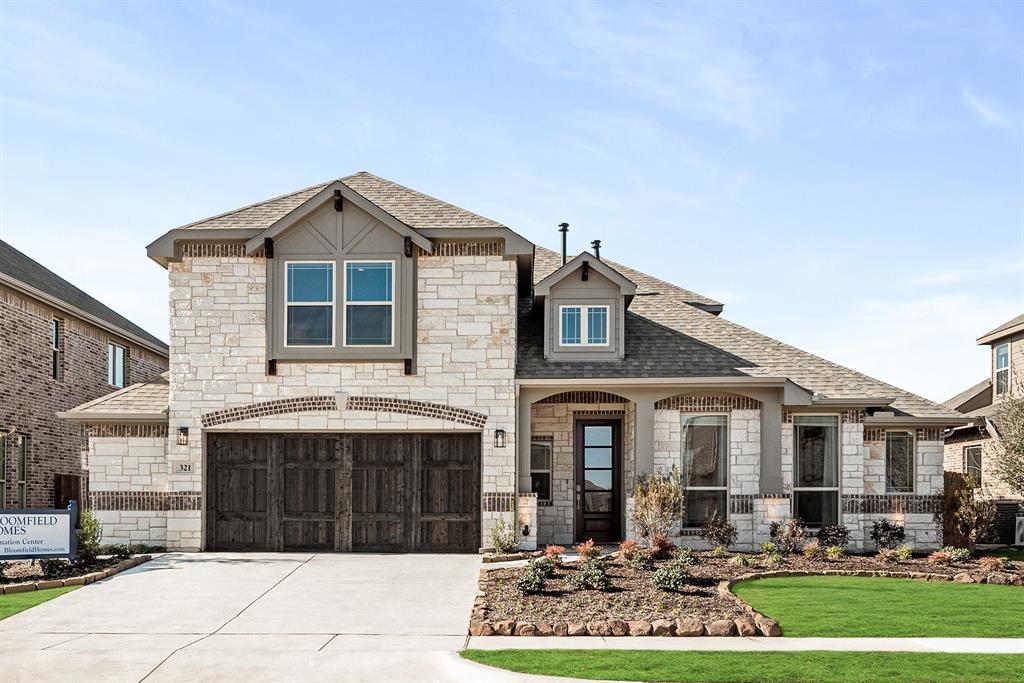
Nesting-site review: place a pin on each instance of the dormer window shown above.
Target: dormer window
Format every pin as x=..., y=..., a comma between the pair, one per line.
x=584, y=325
x=309, y=320
x=1002, y=368
x=369, y=303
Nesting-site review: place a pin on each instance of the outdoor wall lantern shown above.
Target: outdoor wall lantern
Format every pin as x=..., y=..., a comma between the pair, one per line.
x=182, y=436
x=499, y=438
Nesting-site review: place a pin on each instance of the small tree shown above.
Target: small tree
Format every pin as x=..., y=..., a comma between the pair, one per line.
x=90, y=534
x=1008, y=454
x=658, y=504
x=973, y=516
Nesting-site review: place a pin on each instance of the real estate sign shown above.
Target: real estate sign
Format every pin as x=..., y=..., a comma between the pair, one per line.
x=38, y=534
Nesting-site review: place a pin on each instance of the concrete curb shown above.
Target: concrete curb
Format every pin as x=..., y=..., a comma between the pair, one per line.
x=82, y=580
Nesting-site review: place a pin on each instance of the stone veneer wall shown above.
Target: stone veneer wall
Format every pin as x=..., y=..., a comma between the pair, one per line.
x=466, y=340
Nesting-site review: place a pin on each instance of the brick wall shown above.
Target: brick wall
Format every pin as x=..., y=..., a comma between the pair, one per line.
x=30, y=397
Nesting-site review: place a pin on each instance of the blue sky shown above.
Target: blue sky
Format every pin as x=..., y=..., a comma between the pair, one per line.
x=846, y=177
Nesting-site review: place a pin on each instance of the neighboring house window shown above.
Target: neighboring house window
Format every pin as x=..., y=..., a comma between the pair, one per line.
x=309, y=300
x=3, y=470
x=583, y=325
x=16, y=446
x=369, y=303
x=899, y=462
x=704, y=467
x=1002, y=368
x=540, y=469
x=972, y=463
x=55, y=344
x=816, y=479
x=115, y=365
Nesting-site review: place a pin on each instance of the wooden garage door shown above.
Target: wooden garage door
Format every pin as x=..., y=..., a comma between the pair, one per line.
x=383, y=493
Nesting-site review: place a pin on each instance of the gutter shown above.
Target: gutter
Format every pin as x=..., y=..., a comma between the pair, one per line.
x=898, y=421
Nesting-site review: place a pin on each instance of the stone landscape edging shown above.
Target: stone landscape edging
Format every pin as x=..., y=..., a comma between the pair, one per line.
x=511, y=557
x=83, y=580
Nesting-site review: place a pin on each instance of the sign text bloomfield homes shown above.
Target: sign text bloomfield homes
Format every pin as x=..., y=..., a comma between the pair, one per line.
x=37, y=534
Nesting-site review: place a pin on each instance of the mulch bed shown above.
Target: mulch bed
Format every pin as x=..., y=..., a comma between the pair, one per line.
x=21, y=571
x=633, y=597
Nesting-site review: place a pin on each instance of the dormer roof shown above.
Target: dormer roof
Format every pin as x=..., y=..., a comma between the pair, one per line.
x=585, y=262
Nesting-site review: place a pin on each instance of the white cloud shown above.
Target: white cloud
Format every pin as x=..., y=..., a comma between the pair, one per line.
x=990, y=112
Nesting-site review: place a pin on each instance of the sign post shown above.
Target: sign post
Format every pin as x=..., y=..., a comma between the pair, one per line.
x=38, y=534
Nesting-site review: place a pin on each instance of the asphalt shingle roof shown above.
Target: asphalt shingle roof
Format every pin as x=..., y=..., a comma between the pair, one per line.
x=967, y=394
x=145, y=397
x=25, y=270
x=1005, y=326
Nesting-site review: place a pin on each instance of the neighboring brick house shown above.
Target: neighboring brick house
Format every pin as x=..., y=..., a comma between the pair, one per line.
x=359, y=366
x=970, y=449
x=58, y=348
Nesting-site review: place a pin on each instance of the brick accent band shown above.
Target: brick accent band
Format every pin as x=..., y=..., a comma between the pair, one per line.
x=213, y=250
x=460, y=248
x=849, y=416
x=144, y=500
x=743, y=503
x=876, y=434
x=881, y=504
x=699, y=404
x=499, y=502
x=282, y=406
x=419, y=408
x=129, y=430
x=584, y=397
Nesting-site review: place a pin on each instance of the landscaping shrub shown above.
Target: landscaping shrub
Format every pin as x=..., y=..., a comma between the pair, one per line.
x=719, y=551
x=814, y=551
x=658, y=504
x=628, y=549
x=588, y=550
x=685, y=556
x=994, y=564
x=833, y=536
x=769, y=549
x=721, y=533
x=904, y=553
x=888, y=555
x=505, y=537
x=958, y=554
x=773, y=560
x=672, y=576
x=53, y=569
x=661, y=547
x=121, y=551
x=788, y=536
x=531, y=580
x=834, y=552
x=544, y=565
x=739, y=561
x=642, y=562
x=90, y=534
x=940, y=557
x=973, y=517
x=555, y=553
x=886, y=534
x=591, y=573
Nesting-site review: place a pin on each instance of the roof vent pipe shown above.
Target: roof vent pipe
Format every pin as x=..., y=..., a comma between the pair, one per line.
x=596, y=244
x=564, y=229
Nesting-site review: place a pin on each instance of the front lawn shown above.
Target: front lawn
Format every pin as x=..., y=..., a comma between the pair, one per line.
x=767, y=667
x=843, y=606
x=19, y=602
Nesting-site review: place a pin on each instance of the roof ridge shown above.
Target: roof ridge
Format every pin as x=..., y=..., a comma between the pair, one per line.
x=415, y=192
x=239, y=209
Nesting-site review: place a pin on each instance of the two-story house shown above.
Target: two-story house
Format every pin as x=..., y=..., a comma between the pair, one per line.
x=360, y=366
x=58, y=348
x=970, y=449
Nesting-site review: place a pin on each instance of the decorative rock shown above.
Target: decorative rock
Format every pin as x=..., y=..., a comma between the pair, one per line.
x=598, y=628
x=560, y=629
x=722, y=627
x=618, y=627
x=75, y=581
x=526, y=629
x=19, y=587
x=478, y=627
x=767, y=627
x=745, y=627
x=689, y=628
x=639, y=628
x=663, y=627
x=44, y=585
x=577, y=628
x=1003, y=579
x=963, y=577
x=544, y=628
x=504, y=627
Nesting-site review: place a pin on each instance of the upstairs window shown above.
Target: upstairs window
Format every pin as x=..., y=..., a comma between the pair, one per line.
x=583, y=325
x=1002, y=368
x=899, y=462
x=115, y=365
x=705, y=458
x=55, y=345
x=309, y=299
x=972, y=463
x=369, y=303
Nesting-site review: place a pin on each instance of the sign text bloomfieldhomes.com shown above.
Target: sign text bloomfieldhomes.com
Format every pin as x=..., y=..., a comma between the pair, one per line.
x=36, y=534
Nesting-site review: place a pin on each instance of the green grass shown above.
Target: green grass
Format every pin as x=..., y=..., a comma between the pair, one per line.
x=763, y=667
x=19, y=602
x=841, y=606
x=1015, y=554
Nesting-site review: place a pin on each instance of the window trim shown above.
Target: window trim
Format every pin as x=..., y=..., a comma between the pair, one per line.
x=4, y=436
x=997, y=369
x=839, y=467
x=332, y=303
x=112, y=370
x=585, y=326
x=345, y=303
x=549, y=443
x=728, y=457
x=913, y=461
x=981, y=461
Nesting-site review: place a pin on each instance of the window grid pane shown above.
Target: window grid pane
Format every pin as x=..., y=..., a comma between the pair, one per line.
x=571, y=325
x=368, y=325
x=972, y=464
x=310, y=282
x=368, y=282
x=597, y=325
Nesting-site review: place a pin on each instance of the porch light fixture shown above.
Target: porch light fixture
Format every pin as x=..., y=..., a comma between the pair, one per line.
x=499, y=438
x=182, y=436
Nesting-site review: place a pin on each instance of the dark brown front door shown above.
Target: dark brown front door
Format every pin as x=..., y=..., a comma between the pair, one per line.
x=598, y=474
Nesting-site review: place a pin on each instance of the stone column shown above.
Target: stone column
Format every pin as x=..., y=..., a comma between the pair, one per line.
x=771, y=443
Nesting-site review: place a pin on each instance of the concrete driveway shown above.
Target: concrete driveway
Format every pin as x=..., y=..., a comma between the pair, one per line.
x=256, y=617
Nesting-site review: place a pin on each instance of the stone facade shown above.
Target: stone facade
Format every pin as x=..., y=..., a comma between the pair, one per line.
x=30, y=396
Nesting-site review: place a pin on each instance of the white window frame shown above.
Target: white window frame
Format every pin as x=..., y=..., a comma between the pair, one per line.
x=333, y=304
x=839, y=466
x=345, y=303
x=981, y=462
x=585, y=325
x=549, y=444
x=913, y=460
x=728, y=456
x=112, y=364
x=995, y=363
